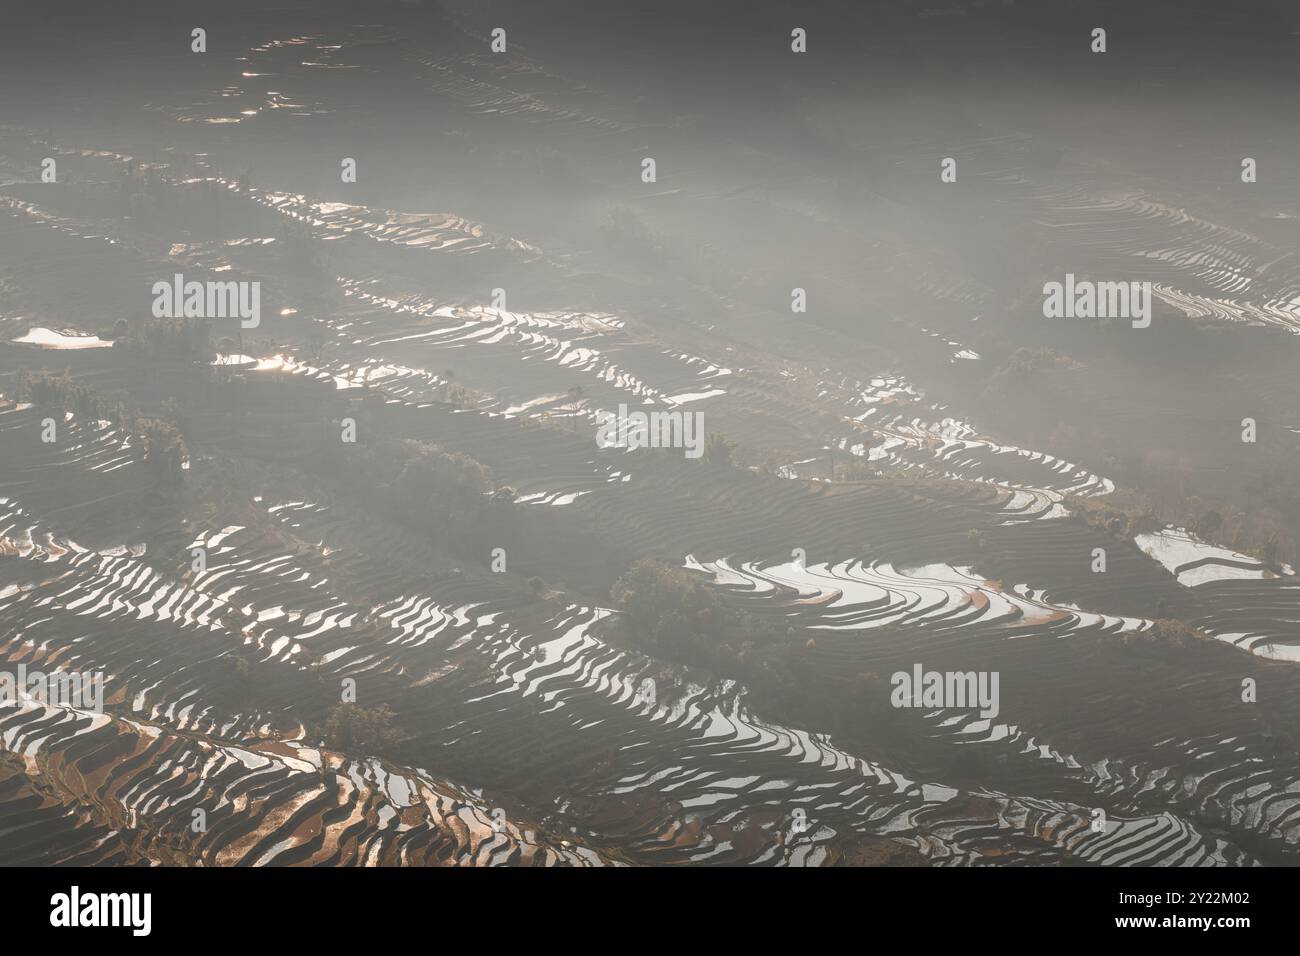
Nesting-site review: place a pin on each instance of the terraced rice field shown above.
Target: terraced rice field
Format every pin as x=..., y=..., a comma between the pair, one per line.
x=496, y=283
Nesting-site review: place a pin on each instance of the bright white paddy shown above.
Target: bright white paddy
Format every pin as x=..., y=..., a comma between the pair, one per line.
x=50, y=339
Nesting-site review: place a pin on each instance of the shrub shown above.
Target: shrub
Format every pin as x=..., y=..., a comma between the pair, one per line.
x=352, y=729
